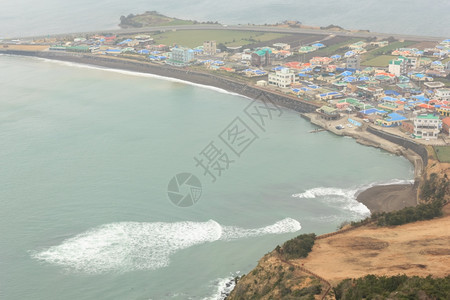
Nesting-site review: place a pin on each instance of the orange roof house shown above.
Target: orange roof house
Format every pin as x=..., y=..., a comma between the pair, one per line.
x=446, y=125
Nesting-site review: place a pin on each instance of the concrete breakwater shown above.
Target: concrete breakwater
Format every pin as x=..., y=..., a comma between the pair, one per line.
x=419, y=149
x=203, y=78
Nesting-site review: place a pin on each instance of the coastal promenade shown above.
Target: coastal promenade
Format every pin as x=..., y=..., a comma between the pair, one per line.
x=260, y=28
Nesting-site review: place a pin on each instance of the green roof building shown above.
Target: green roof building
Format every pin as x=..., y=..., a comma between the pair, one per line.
x=426, y=126
x=261, y=57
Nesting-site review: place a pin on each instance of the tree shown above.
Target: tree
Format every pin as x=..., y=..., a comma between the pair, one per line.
x=222, y=47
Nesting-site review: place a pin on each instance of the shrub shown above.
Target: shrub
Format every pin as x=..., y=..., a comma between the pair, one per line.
x=411, y=214
x=394, y=287
x=310, y=290
x=299, y=246
x=435, y=188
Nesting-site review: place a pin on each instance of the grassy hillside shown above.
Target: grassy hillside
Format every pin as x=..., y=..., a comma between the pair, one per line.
x=378, y=61
x=151, y=18
x=443, y=153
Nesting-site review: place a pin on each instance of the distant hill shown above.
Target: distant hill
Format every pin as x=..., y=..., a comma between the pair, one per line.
x=153, y=18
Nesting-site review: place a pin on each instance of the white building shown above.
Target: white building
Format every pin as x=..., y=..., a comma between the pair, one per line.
x=210, y=47
x=246, y=56
x=180, y=57
x=282, y=46
x=353, y=62
x=443, y=94
x=282, y=78
x=261, y=83
x=426, y=126
x=398, y=66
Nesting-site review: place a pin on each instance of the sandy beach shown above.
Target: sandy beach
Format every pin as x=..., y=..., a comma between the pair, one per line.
x=386, y=198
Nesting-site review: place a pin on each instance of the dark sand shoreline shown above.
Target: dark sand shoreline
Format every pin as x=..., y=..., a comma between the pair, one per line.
x=387, y=198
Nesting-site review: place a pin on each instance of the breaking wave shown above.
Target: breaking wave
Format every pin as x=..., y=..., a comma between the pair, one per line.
x=345, y=198
x=129, y=246
x=223, y=287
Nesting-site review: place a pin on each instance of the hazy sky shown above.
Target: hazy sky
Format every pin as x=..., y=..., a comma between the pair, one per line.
x=29, y=17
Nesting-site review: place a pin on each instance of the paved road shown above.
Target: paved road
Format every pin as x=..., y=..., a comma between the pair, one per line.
x=255, y=28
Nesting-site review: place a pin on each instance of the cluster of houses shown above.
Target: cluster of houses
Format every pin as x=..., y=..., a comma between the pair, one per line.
x=103, y=44
x=140, y=45
x=406, y=93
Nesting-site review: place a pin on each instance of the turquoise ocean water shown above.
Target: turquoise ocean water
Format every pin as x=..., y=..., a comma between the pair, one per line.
x=86, y=155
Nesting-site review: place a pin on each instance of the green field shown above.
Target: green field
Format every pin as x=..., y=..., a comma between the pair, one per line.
x=194, y=38
x=378, y=61
x=177, y=22
x=385, y=50
x=333, y=49
x=443, y=153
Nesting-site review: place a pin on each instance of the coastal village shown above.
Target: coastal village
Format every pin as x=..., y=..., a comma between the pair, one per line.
x=402, y=87
x=399, y=87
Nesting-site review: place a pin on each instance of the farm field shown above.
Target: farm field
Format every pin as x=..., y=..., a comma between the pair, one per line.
x=231, y=38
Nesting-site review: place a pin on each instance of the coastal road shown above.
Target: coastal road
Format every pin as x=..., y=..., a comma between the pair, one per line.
x=361, y=34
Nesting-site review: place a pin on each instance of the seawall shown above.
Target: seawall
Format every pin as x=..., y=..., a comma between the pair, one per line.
x=419, y=149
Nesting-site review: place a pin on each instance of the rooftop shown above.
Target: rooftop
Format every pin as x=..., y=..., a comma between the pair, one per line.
x=393, y=117
x=446, y=121
x=328, y=110
x=428, y=116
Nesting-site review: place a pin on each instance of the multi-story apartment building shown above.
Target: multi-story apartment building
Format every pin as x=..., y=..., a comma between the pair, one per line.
x=426, y=126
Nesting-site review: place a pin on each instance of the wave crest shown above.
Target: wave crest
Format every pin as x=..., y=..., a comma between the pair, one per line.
x=129, y=246
x=345, y=198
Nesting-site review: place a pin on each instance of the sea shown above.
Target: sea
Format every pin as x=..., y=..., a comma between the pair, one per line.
x=91, y=158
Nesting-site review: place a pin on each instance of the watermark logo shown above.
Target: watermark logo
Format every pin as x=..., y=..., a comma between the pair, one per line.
x=184, y=189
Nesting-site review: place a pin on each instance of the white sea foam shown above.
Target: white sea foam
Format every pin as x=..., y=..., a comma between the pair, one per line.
x=224, y=286
x=345, y=198
x=283, y=226
x=325, y=191
x=128, y=246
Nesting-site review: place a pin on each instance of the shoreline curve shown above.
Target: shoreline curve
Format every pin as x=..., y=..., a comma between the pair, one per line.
x=370, y=197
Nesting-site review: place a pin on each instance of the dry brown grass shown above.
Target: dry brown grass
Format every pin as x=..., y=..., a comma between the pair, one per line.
x=420, y=248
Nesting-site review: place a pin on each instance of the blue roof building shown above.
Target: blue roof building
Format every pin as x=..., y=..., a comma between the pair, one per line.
x=392, y=120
